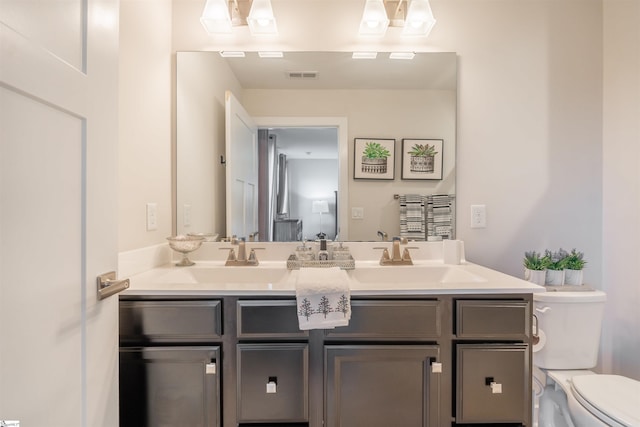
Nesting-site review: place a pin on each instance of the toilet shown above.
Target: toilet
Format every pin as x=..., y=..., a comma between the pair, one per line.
x=566, y=391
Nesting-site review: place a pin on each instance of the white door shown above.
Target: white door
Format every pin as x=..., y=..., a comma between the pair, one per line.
x=58, y=230
x=241, y=169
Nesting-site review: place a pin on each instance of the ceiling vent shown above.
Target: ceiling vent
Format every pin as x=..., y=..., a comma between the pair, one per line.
x=303, y=75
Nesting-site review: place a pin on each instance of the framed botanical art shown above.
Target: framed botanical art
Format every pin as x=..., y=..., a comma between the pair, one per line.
x=422, y=158
x=374, y=158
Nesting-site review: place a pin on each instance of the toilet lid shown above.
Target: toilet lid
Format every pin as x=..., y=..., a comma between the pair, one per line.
x=613, y=396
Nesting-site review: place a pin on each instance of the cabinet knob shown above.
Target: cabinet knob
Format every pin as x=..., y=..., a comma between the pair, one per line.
x=210, y=368
x=272, y=385
x=496, y=388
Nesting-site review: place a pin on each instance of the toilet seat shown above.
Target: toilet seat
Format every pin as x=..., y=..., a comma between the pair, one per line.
x=613, y=399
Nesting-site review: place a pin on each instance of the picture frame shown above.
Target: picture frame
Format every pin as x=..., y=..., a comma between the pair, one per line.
x=374, y=158
x=422, y=159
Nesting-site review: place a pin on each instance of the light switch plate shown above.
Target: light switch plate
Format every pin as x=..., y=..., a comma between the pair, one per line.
x=478, y=216
x=186, y=217
x=152, y=216
x=357, y=213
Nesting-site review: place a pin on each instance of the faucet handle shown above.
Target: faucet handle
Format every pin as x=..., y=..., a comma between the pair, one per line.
x=252, y=258
x=232, y=254
x=385, y=255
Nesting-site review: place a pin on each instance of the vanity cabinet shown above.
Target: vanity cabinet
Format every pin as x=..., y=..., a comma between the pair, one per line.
x=403, y=360
x=272, y=383
x=389, y=372
x=493, y=361
x=492, y=383
x=272, y=371
x=169, y=386
x=391, y=320
x=170, y=357
x=381, y=385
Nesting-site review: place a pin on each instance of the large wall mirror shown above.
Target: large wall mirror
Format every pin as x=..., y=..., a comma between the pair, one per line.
x=309, y=108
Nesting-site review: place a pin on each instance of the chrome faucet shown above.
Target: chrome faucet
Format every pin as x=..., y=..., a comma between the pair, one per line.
x=383, y=236
x=241, y=259
x=395, y=258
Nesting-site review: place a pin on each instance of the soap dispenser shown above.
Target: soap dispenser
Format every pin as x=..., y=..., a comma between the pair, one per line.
x=341, y=252
x=305, y=253
x=323, y=254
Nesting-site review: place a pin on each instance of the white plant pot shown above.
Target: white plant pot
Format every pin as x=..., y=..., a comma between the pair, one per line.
x=535, y=276
x=554, y=278
x=573, y=277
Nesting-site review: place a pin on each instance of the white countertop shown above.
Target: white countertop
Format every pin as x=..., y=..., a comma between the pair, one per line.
x=271, y=278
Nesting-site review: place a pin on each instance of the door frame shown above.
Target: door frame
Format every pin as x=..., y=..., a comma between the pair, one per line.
x=343, y=156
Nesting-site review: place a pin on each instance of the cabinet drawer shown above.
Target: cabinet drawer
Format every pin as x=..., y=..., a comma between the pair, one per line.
x=391, y=320
x=170, y=321
x=268, y=319
x=478, y=365
x=272, y=383
x=495, y=319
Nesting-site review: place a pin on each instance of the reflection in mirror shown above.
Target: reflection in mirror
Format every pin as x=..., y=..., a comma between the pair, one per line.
x=349, y=98
x=302, y=183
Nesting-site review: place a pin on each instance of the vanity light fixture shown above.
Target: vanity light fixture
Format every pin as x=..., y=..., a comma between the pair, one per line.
x=232, y=54
x=419, y=20
x=261, y=19
x=415, y=17
x=215, y=17
x=402, y=55
x=271, y=54
x=374, y=19
x=220, y=16
x=364, y=55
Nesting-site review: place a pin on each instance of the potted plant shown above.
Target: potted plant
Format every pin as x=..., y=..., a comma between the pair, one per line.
x=374, y=158
x=555, y=267
x=422, y=157
x=535, y=267
x=573, y=265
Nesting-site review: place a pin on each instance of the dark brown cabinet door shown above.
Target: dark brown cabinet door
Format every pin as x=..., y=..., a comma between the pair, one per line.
x=273, y=383
x=169, y=386
x=493, y=383
x=381, y=386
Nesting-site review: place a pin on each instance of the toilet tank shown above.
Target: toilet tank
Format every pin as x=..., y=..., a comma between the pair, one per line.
x=570, y=324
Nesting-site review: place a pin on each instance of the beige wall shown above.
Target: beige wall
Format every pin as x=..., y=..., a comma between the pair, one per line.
x=144, y=145
x=538, y=143
x=621, y=170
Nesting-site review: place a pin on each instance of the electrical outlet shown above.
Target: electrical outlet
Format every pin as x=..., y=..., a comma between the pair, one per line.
x=152, y=216
x=478, y=216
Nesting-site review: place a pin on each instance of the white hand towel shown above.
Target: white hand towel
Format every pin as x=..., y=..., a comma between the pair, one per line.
x=323, y=297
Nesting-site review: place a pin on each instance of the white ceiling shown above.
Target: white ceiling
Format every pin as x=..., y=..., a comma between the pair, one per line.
x=307, y=142
x=337, y=70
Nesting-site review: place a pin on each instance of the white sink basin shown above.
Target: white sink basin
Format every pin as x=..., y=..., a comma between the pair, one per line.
x=413, y=275
x=239, y=274
x=365, y=277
